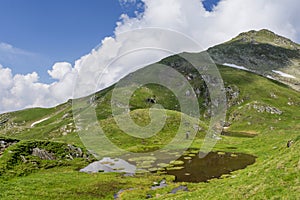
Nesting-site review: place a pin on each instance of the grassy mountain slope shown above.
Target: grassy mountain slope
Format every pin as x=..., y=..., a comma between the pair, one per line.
x=257, y=106
x=249, y=96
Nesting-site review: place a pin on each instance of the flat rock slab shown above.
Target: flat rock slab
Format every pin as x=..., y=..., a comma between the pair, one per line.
x=110, y=165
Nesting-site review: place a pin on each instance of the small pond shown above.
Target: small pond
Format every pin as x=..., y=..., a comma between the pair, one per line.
x=213, y=165
x=190, y=167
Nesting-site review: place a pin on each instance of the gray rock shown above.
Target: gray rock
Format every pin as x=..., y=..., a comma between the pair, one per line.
x=110, y=165
x=162, y=184
x=268, y=109
x=182, y=188
x=42, y=154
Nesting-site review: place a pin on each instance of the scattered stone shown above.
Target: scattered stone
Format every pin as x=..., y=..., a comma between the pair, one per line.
x=23, y=159
x=159, y=185
x=179, y=188
x=273, y=95
x=289, y=143
x=232, y=93
x=5, y=144
x=75, y=152
x=151, y=100
x=268, y=109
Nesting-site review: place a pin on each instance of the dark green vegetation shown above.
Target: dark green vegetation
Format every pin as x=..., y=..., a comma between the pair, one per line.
x=257, y=106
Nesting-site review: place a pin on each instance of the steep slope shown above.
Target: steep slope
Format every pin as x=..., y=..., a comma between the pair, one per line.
x=262, y=52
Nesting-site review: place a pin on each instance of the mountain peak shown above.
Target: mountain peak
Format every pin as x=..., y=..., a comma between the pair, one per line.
x=262, y=52
x=265, y=36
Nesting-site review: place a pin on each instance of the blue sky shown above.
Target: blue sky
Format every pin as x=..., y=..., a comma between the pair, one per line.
x=44, y=32
x=40, y=40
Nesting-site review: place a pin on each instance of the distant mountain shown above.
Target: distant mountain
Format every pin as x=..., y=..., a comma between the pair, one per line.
x=262, y=52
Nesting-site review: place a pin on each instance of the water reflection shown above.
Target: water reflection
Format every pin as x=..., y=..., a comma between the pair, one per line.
x=214, y=165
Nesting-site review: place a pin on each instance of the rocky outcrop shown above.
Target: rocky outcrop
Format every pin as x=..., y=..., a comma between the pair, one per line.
x=43, y=154
x=265, y=108
x=75, y=152
x=70, y=153
x=233, y=95
x=4, y=144
x=261, y=52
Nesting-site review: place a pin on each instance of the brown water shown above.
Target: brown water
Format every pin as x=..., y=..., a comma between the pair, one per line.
x=239, y=134
x=214, y=165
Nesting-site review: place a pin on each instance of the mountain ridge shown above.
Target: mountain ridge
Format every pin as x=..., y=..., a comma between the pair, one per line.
x=264, y=53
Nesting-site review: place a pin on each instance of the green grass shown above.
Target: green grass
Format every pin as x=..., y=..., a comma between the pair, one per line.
x=66, y=183
x=275, y=174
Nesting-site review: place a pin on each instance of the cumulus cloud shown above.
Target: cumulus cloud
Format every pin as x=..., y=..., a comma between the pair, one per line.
x=118, y=55
x=24, y=91
x=59, y=70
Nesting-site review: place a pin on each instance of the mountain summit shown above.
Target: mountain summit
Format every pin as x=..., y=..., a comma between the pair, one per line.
x=262, y=52
x=265, y=36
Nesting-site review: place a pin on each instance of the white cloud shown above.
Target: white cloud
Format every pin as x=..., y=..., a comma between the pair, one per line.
x=9, y=49
x=228, y=19
x=23, y=91
x=59, y=70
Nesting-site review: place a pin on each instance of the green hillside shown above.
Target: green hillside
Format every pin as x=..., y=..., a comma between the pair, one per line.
x=262, y=116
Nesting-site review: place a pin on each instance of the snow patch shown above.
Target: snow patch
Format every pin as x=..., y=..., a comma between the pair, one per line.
x=236, y=66
x=283, y=74
x=37, y=122
x=271, y=77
